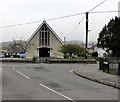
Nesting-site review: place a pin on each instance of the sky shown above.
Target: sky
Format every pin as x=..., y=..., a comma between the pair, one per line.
x=14, y=12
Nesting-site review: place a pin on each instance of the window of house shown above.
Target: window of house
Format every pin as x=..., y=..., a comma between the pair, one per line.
x=44, y=36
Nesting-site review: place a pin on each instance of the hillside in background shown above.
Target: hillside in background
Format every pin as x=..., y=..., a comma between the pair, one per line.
x=74, y=42
x=6, y=45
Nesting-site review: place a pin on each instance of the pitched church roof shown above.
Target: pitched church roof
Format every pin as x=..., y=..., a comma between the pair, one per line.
x=44, y=22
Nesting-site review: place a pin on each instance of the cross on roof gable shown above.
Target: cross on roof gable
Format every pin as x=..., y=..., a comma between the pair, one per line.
x=44, y=22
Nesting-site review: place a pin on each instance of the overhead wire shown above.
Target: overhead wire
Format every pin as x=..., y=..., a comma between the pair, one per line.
x=76, y=26
x=105, y=12
x=97, y=5
x=84, y=16
x=19, y=24
x=92, y=23
x=56, y=18
x=62, y=17
x=42, y=20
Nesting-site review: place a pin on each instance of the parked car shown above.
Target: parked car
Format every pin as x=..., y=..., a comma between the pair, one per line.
x=22, y=55
x=2, y=55
x=16, y=56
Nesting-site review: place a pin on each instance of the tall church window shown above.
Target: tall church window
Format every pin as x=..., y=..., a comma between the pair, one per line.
x=44, y=36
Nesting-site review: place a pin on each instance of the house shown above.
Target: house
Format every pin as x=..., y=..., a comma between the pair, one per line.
x=44, y=42
x=93, y=48
x=101, y=52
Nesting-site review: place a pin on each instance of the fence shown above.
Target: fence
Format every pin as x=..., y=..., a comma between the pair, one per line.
x=110, y=66
x=41, y=59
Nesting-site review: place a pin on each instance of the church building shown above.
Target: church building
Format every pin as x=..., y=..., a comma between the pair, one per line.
x=44, y=42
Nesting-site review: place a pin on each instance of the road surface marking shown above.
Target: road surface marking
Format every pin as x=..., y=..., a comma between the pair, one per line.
x=14, y=67
x=71, y=71
x=57, y=93
x=22, y=74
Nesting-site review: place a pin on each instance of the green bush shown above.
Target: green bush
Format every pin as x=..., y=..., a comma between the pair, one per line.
x=95, y=54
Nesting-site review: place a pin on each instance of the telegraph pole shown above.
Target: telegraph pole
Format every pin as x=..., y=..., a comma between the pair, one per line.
x=86, y=35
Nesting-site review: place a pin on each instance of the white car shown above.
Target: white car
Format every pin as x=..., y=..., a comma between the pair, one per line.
x=2, y=55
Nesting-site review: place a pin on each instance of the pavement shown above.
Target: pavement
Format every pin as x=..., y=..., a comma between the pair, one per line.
x=92, y=72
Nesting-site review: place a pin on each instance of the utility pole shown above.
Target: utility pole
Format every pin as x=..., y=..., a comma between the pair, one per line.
x=86, y=35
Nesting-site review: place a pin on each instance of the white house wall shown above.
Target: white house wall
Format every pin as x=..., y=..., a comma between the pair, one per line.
x=101, y=52
x=32, y=47
x=55, y=45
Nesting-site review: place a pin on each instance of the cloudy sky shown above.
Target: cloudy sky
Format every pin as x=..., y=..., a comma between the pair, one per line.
x=26, y=11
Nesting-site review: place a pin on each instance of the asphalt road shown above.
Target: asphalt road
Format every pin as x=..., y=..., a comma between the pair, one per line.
x=22, y=81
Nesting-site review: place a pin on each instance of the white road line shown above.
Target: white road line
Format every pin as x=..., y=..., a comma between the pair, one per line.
x=14, y=67
x=22, y=74
x=57, y=93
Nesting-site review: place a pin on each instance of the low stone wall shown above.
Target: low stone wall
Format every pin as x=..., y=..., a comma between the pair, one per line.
x=91, y=61
x=50, y=61
x=15, y=60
